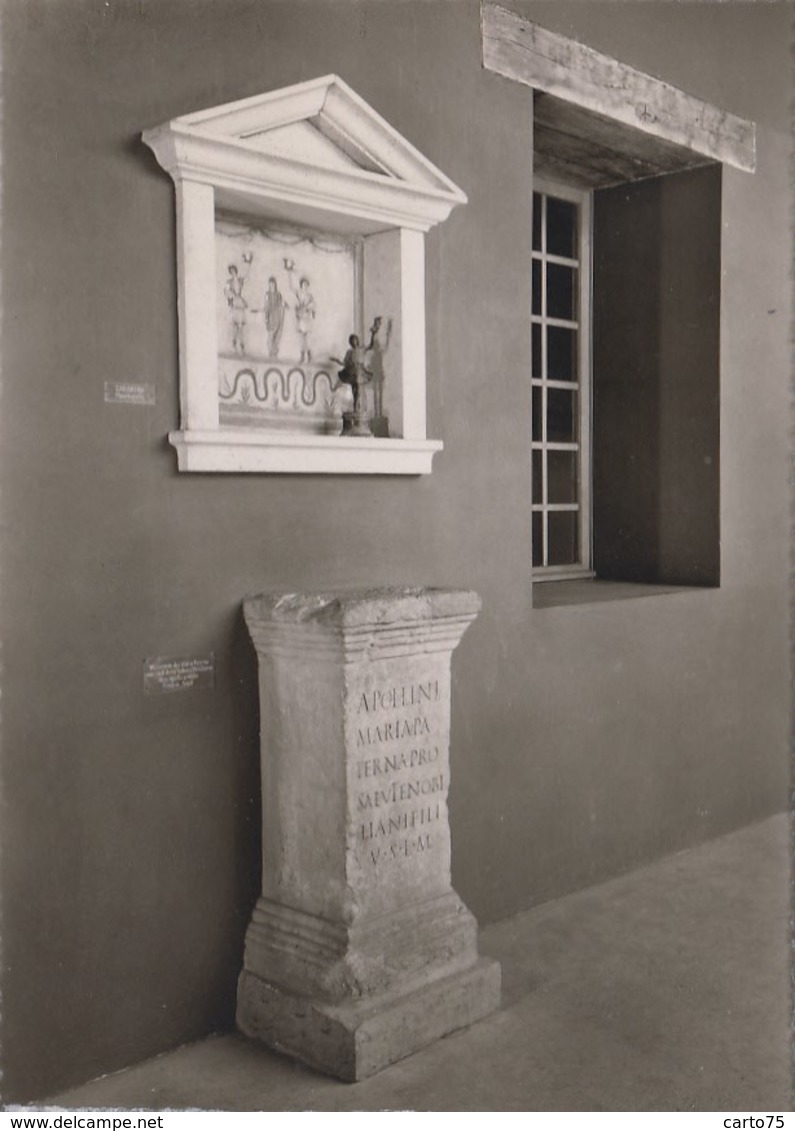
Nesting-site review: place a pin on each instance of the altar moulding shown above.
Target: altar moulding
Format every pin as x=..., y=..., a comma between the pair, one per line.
x=359, y=951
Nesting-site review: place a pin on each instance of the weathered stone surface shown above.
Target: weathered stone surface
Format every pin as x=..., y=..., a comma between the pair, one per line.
x=357, y=1038
x=358, y=929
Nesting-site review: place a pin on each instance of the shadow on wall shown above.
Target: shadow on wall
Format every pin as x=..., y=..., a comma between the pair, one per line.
x=656, y=379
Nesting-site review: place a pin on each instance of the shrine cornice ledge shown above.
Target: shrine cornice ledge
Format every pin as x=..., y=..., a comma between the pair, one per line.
x=250, y=450
x=238, y=168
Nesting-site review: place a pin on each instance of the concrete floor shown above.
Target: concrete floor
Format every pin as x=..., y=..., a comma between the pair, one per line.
x=663, y=990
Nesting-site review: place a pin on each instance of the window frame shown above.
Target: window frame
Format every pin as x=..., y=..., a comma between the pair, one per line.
x=583, y=199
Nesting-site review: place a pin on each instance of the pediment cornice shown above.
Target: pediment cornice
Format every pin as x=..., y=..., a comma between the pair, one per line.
x=318, y=145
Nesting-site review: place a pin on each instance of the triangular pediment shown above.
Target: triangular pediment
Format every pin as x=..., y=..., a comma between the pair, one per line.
x=303, y=141
x=323, y=124
x=312, y=154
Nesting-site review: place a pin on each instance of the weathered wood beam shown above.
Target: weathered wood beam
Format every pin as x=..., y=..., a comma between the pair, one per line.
x=585, y=163
x=589, y=150
x=523, y=51
x=595, y=129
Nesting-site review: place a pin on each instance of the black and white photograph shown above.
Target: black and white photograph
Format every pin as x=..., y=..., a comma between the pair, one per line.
x=395, y=570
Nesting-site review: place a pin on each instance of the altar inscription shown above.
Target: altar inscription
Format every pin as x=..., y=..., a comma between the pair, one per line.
x=400, y=777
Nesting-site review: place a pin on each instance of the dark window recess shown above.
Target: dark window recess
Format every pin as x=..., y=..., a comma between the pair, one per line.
x=538, y=538
x=536, y=287
x=561, y=227
x=537, y=331
x=656, y=381
x=536, y=221
x=538, y=480
x=561, y=416
x=562, y=473
x=561, y=354
x=563, y=547
x=561, y=291
x=538, y=413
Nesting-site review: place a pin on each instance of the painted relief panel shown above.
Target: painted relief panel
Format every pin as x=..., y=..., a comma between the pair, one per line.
x=286, y=303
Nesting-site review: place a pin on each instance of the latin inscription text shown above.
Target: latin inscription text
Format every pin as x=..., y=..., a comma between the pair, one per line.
x=390, y=698
x=396, y=803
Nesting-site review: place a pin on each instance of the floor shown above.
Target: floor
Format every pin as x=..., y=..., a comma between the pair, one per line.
x=663, y=990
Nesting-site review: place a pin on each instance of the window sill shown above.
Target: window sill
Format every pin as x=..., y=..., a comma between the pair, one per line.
x=561, y=573
x=591, y=591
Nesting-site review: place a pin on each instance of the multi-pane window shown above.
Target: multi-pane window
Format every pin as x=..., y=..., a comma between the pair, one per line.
x=560, y=379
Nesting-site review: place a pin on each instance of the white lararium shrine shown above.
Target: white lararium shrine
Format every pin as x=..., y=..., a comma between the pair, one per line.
x=301, y=219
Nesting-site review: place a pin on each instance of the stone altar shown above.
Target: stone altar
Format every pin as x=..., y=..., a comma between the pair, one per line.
x=359, y=951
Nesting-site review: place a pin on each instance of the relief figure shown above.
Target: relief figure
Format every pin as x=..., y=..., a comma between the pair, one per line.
x=233, y=290
x=304, y=309
x=274, y=310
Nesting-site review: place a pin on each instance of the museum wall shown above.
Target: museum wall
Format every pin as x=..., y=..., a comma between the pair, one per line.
x=586, y=739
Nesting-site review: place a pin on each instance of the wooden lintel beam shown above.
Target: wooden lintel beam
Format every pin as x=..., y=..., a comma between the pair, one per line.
x=542, y=59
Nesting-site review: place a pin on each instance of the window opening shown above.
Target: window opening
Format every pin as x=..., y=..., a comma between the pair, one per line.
x=560, y=380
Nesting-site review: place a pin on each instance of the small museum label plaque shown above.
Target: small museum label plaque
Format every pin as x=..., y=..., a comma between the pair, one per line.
x=164, y=675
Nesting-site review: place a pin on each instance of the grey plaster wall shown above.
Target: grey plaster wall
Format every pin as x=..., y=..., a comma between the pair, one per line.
x=586, y=739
